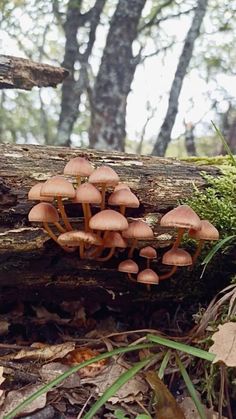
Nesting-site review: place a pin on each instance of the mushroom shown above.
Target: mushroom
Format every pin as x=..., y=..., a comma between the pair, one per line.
x=79, y=238
x=112, y=240
x=124, y=198
x=148, y=277
x=137, y=230
x=104, y=176
x=79, y=167
x=149, y=253
x=206, y=232
x=130, y=267
x=120, y=186
x=45, y=213
x=87, y=194
x=34, y=194
x=183, y=217
x=59, y=187
x=176, y=257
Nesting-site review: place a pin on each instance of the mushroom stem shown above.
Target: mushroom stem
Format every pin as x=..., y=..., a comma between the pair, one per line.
x=78, y=180
x=109, y=255
x=103, y=196
x=86, y=218
x=63, y=214
x=148, y=286
x=131, y=278
x=168, y=274
x=49, y=231
x=148, y=263
x=97, y=252
x=131, y=251
x=198, y=250
x=81, y=250
x=179, y=237
x=122, y=209
x=59, y=227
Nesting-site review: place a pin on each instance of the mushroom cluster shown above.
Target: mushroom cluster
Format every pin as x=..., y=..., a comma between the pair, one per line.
x=108, y=229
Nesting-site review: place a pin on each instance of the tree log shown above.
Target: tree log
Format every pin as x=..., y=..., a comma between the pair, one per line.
x=33, y=266
x=24, y=74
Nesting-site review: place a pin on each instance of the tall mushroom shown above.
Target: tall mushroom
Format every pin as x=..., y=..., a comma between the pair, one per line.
x=206, y=232
x=87, y=194
x=137, y=230
x=45, y=213
x=124, y=198
x=104, y=176
x=59, y=188
x=78, y=167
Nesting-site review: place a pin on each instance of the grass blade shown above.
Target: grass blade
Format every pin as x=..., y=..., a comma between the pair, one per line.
x=200, y=353
x=225, y=144
x=123, y=378
x=191, y=389
x=215, y=249
x=164, y=364
x=62, y=377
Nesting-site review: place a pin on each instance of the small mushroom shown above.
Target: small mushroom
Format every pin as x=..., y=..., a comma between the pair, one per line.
x=149, y=253
x=124, y=198
x=183, y=217
x=87, y=194
x=59, y=188
x=148, y=277
x=45, y=213
x=79, y=238
x=112, y=240
x=175, y=257
x=130, y=267
x=137, y=230
x=79, y=167
x=206, y=232
x=104, y=176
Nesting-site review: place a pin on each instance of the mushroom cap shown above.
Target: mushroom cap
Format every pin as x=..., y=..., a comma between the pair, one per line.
x=148, y=252
x=43, y=212
x=177, y=257
x=78, y=166
x=34, y=193
x=74, y=238
x=183, y=217
x=124, y=197
x=206, y=232
x=58, y=186
x=138, y=230
x=104, y=175
x=128, y=266
x=108, y=220
x=87, y=193
x=114, y=239
x=148, y=276
x=121, y=186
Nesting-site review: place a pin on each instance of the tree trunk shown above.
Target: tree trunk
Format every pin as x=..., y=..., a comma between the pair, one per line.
x=190, y=139
x=112, y=85
x=164, y=136
x=20, y=73
x=33, y=266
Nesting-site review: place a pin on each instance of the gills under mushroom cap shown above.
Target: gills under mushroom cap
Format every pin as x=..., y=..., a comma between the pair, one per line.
x=74, y=238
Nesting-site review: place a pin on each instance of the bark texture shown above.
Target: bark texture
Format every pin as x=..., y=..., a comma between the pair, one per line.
x=32, y=265
x=164, y=136
x=73, y=88
x=112, y=85
x=24, y=74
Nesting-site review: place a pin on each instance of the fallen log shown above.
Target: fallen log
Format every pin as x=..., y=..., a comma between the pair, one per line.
x=33, y=266
x=20, y=73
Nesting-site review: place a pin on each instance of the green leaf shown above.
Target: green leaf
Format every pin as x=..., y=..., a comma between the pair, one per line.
x=164, y=364
x=225, y=144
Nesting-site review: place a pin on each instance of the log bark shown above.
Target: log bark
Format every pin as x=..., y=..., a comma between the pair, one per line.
x=32, y=265
x=20, y=73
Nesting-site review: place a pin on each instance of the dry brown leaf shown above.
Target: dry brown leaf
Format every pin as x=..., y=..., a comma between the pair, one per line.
x=224, y=346
x=43, y=315
x=46, y=352
x=190, y=410
x=127, y=393
x=15, y=397
x=84, y=354
x=52, y=370
x=4, y=326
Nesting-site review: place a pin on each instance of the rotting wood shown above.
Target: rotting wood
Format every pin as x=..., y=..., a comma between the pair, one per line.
x=20, y=73
x=34, y=265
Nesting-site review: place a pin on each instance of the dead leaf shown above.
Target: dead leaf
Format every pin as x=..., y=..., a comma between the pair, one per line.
x=15, y=397
x=46, y=352
x=190, y=410
x=127, y=393
x=224, y=346
x=84, y=354
x=43, y=316
x=52, y=370
x=4, y=326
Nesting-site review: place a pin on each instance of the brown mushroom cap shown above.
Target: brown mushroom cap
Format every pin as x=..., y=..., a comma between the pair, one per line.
x=121, y=186
x=148, y=276
x=148, y=252
x=104, y=175
x=177, y=257
x=87, y=193
x=206, y=232
x=108, y=220
x=74, y=238
x=78, y=166
x=43, y=212
x=35, y=193
x=182, y=217
x=124, y=197
x=128, y=266
x=138, y=230
x=58, y=186
x=114, y=239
